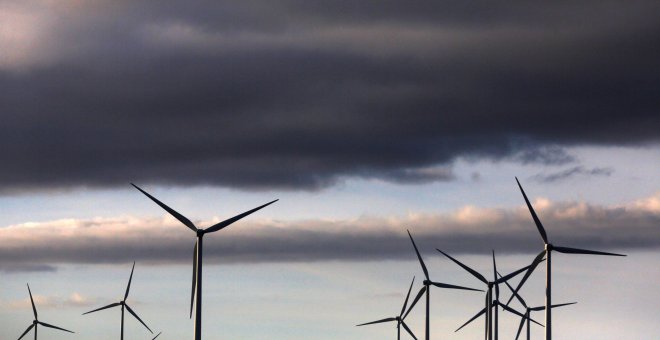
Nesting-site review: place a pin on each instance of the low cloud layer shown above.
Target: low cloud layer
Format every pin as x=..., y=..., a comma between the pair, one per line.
x=467, y=230
x=298, y=95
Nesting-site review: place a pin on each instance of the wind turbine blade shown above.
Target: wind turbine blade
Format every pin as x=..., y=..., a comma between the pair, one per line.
x=26, y=331
x=128, y=287
x=494, y=267
x=105, y=307
x=377, y=321
x=51, y=326
x=172, y=212
x=229, y=221
x=531, y=268
x=469, y=270
x=445, y=285
x=194, y=279
x=419, y=295
x=511, y=310
x=540, y=308
x=426, y=272
x=34, y=309
x=137, y=317
x=472, y=319
x=513, y=274
x=497, y=287
x=405, y=303
x=520, y=327
x=408, y=330
x=539, y=226
x=157, y=335
x=522, y=302
x=562, y=304
x=568, y=250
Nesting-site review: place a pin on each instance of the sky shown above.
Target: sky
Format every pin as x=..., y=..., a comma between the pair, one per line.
x=365, y=119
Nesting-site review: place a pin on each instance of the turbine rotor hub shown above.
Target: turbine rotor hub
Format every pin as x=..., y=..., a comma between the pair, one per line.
x=548, y=247
x=426, y=282
x=200, y=232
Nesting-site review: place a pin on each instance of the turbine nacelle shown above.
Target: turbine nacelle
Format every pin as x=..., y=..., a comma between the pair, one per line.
x=549, y=247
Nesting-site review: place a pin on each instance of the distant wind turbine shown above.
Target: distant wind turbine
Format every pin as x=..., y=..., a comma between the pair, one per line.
x=399, y=319
x=427, y=289
x=123, y=305
x=529, y=310
x=490, y=303
x=197, y=256
x=547, y=253
x=37, y=322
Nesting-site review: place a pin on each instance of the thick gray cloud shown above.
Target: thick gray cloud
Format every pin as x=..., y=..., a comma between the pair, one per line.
x=299, y=94
x=467, y=230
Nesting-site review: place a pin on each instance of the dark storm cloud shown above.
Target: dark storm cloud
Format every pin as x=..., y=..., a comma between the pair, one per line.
x=468, y=230
x=300, y=94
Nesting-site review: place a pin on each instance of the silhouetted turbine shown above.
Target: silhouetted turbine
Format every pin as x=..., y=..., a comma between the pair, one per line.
x=399, y=319
x=547, y=252
x=488, y=309
x=196, y=295
x=123, y=305
x=36, y=321
x=426, y=289
x=528, y=311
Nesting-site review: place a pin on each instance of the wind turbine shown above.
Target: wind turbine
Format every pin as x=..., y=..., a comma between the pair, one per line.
x=123, y=305
x=399, y=319
x=488, y=309
x=529, y=310
x=426, y=289
x=547, y=253
x=197, y=255
x=37, y=322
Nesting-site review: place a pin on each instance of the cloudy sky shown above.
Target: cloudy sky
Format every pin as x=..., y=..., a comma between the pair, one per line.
x=365, y=119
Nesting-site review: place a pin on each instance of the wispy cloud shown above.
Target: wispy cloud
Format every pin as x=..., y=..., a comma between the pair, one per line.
x=466, y=230
x=572, y=172
x=47, y=301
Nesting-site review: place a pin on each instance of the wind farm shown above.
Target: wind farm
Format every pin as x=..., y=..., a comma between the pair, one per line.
x=329, y=170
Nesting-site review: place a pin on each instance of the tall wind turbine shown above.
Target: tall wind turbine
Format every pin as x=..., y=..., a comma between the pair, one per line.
x=528, y=311
x=197, y=256
x=427, y=289
x=399, y=319
x=547, y=252
x=488, y=309
x=123, y=305
x=37, y=322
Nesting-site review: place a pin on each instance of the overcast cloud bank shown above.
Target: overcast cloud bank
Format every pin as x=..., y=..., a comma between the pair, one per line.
x=298, y=95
